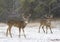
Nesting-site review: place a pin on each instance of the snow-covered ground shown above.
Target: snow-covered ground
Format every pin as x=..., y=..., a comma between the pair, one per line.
x=32, y=35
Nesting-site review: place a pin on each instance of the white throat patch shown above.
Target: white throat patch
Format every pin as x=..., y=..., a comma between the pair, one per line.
x=26, y=21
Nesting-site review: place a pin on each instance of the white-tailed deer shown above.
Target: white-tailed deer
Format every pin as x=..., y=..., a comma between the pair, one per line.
x=19, y=24
x=46, y=22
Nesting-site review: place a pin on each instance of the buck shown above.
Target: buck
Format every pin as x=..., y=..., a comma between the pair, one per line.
x=46, y=22
x=19, y=24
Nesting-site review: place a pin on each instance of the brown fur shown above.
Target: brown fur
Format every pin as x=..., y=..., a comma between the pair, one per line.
x=19, y=24
x=47, y=23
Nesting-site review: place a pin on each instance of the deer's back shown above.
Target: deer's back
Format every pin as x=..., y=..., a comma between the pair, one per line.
x=43, y=22
x=16, y=23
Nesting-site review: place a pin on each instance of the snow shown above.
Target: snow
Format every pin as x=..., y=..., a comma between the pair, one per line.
x=32, y=35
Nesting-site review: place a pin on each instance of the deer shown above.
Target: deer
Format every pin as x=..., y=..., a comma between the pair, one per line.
x=46, y=22
x=19, y=24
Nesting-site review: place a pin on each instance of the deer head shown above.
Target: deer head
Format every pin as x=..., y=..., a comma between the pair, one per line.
x=49, y=16
x=26, y=18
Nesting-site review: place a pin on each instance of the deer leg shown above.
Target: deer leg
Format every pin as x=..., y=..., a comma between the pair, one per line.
x=50, y=29
x=19, y=31
x=7, y=32
x=43, y=29
x=39, y=29
x=24, y=33
x=10, y=30
x=46, y=29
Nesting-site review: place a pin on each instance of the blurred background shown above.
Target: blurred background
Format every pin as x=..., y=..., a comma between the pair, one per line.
x=13, y=9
